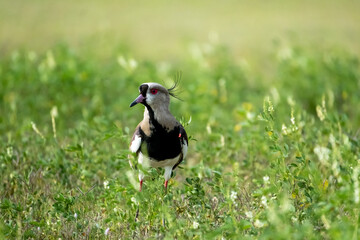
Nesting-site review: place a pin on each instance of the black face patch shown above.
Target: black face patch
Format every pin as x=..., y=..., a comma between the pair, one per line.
x=143, y=89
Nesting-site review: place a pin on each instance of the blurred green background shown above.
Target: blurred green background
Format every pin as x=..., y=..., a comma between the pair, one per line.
x=271, y=101
x=160, y=29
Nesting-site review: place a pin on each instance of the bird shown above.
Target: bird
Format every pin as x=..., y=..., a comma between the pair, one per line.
x=159, y=140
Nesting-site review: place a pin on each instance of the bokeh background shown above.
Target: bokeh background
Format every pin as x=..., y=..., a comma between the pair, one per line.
x=162, y=29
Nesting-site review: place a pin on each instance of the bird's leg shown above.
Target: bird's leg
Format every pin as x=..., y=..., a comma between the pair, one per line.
x=167, y=175
x=141, y=182
x=141, y=179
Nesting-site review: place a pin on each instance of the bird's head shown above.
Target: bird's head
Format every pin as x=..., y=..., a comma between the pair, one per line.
x=153, y=95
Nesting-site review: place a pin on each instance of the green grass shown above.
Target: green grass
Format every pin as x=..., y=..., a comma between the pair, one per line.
x=274, y=153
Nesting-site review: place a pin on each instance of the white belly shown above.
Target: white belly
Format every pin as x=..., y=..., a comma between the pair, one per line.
x=148, y=162
x=168, y=164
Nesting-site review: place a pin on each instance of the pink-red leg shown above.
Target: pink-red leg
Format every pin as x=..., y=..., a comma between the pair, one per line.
x=167, y=175
x=141, y=182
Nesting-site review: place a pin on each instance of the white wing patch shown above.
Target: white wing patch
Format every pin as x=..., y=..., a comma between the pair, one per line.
x=135, y=144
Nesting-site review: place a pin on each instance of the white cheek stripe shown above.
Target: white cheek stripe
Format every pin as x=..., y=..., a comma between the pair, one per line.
x=135, y=144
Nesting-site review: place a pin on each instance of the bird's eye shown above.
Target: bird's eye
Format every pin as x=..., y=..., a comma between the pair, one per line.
x=153, y=91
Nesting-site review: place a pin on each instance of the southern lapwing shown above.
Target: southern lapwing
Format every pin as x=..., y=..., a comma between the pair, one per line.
x=159, y=139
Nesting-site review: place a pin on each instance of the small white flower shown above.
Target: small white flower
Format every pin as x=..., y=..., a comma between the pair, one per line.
x=233, y=197
x=107, y=231
x=264, y=201
x=250, y=115
x=284, y=129
x=106, y=184
x=9, y=151
x=195, y=225
x=259, y=224
x=322, y=153
x=292, y=119
x=133, y=199
x=268, y=103
x=75, y=215
x=215, y=200
x=249, y=215
x=266, y=179
x=271, y=108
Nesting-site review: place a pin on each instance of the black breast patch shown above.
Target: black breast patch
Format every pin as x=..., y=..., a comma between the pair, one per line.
x=162, y=145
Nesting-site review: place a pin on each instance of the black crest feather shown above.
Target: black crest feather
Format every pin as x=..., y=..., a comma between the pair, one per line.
x=174, y=88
